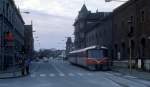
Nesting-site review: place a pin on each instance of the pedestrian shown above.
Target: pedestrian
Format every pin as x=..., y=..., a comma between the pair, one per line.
x=22, y=67
x=27, y=66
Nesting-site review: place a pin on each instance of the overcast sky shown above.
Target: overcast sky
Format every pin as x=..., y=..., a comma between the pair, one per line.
x=53, y=19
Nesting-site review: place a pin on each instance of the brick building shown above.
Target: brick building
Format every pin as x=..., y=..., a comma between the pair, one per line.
x=131, y=33
x=11, y=34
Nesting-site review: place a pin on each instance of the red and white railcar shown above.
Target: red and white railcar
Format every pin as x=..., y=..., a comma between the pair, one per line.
x=92, y=57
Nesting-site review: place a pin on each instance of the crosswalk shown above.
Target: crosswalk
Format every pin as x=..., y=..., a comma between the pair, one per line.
x=121, y=75
x=58, y=61
x=61, y=75
x=53, y=61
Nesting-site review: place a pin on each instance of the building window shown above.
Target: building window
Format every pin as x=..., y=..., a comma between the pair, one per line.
x=131, y=31
x=142, y=16
x=123, y=50
x=7, y=9
x=130, y=20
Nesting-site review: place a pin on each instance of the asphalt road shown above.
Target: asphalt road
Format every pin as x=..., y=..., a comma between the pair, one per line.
x=58, y=73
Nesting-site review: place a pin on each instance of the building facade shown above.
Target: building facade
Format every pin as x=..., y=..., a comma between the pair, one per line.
x=11, y=34
x=131, y=33
x=83, y=24
x=29, y=41
x=100, y=34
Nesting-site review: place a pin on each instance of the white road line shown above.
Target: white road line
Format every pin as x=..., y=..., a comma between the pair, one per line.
x=80, y=74
x=61, y=74
x=112, y=82
x=109, y=74
x=117, y=74
x=58, y=70
x=71, y=74
x=51, y=75
x=90, y=74
x=130, y=77
x=33, y=75
x=42, y=75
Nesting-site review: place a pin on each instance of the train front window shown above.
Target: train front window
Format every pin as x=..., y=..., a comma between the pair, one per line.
x=95, y=54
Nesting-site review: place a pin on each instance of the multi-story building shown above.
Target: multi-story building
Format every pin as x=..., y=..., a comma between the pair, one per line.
x=29, y=41
x=100, y=34
x=11, y=34
x=84, y=21
x=93, y=29
x=131, y=33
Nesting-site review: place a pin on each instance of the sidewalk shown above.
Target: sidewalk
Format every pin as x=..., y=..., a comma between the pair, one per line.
x=136, y=73
x=10, y=73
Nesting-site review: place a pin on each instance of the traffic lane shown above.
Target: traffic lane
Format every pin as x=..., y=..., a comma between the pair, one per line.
x=125, y=81
x=77, y=79
x=35, y=79
x=63, y=81
x=100, y=79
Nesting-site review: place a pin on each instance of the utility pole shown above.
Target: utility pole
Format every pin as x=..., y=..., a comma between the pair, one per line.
x=130, y=55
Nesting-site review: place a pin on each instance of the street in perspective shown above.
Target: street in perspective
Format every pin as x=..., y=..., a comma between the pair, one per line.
x=74, y=43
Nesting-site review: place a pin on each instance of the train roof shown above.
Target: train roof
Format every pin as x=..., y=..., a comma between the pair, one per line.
x=88, y=48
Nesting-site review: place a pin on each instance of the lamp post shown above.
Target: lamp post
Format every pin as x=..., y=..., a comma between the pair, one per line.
x=115, y=0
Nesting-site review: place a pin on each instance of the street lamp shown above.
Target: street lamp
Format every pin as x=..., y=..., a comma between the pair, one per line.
x=114, y=0
x=26, y=12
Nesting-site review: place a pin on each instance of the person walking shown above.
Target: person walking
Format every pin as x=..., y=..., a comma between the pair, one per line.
x=22, y=67
x=27, y=66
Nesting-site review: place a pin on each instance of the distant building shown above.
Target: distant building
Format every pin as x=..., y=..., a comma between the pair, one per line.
x=11, y=34
x=84, y=23
x=69, y=46
x=131, y=33
x=29, y=41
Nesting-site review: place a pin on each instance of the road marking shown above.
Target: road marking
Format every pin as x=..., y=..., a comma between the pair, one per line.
x=61, y=74
x=89, y=74
x=42, y=75
x=130, y=76
x=109, y=74
x=117, y=74
x=51, y=75
x=80, y=74
x=71, y=74
x=58, y=70
x=32, y=75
